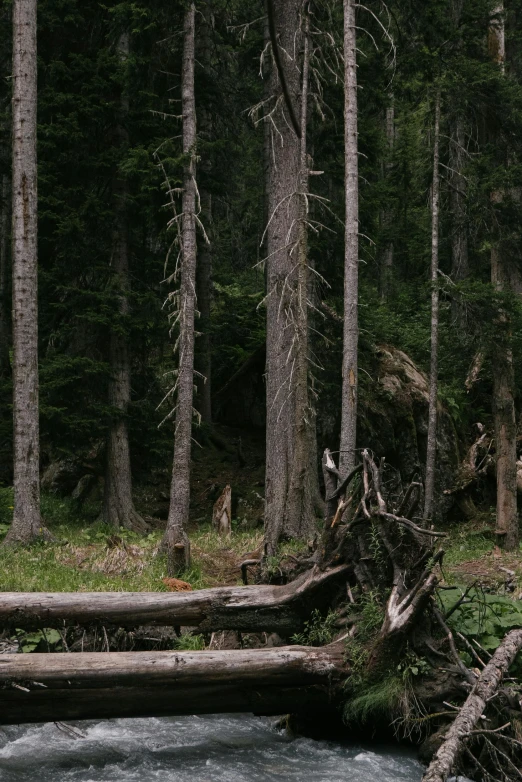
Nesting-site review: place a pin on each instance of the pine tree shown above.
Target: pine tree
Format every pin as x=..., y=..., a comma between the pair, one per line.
x=27, y=524
x=175, y=540
x=351, y=247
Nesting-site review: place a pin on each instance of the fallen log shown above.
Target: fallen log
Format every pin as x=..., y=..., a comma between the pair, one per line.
x=40, y=687
x=18, y=708
x=280, y=609
x=483, y=690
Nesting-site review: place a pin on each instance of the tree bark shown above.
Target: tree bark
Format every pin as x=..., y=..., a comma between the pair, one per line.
x=118, y=506
x=5, y=364
x=505, y=420
x=290, y=471
x=307, y=687
x=204, y=265
x=459, y=228
x=507, y=530
x=431, y=450
x=351, y=245
x=27, y=524
x=458, y=188
x=484, y=689
x=96, y=686
x=279, y=609
x=290, y=665
x=175, y=540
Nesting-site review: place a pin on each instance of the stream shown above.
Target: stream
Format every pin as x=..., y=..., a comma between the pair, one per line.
x=221, y=748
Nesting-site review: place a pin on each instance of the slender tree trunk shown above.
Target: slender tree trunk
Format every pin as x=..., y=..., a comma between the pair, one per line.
x=5, y=366
x=386, y=265
x=505, y=420
x=459, y=228
x=502, y=357
x=27, y=523
x=351, y=247
x=458, y=188
x=300, y=499
x=118, y=507
x=175, y=540
x=204, y=265
x=290, y=473
x=431, y=451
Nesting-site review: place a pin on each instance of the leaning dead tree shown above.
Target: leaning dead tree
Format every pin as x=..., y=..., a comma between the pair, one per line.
x=496, y=741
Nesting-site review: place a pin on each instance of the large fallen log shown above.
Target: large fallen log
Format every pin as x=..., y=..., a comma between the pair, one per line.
x=280, y=609
x=484, y=689
x=120, y=702
x=41, y=687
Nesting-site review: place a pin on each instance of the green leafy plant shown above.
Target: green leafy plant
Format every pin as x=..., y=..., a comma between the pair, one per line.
x=413, y=665
x=318, y=630
x=45, y=639
x=481, y=616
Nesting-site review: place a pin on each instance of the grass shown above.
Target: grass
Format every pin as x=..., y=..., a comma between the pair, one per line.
x=379, y=700
x=471, y=555
x=86, y=556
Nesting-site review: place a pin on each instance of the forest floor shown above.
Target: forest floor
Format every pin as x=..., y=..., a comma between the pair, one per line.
x=86, y=556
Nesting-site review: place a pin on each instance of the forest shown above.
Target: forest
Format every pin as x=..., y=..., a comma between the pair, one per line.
x=261, y=324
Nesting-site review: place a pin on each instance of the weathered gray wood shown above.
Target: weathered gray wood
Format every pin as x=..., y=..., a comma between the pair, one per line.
x=50, y=687
x=290, y=665
x=280, y=609
x=485, y=687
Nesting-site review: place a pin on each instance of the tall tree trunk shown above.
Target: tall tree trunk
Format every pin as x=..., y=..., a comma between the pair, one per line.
x=27, y=523
x=300, y=498
x=459, y=228
x=290, y=473
x=458, y=189
x=351, y=247
x=118, y=507
x=431, y=451
x=386, y=264
x=176, y=541
x=5, y=366
x=502, y=357
x=204, y=265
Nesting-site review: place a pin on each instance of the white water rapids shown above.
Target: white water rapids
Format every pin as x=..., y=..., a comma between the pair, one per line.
x=221, y=748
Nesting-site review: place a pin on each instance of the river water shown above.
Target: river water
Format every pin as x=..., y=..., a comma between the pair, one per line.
x=221, y=748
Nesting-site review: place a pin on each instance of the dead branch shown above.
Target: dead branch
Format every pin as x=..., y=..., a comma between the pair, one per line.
x=483, y=690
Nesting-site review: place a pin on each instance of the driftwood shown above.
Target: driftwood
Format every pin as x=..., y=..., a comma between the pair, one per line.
x=472, y=710
x=280, y=609
x=40, y=687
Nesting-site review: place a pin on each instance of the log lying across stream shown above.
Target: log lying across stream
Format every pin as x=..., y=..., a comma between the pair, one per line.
x=280, y=609
x=61, y=686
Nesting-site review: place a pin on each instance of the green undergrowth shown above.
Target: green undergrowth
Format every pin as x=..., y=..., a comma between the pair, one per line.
x=87, y=555
x=482, y=618
x=384, y=693
x=319, y=630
